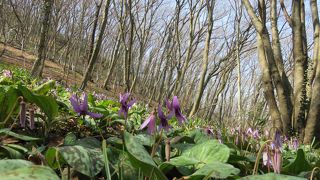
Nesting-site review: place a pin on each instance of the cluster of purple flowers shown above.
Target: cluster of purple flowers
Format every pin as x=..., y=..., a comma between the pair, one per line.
x=99, y=96
x=173, y=108
x=7, y=73
x=81, y=107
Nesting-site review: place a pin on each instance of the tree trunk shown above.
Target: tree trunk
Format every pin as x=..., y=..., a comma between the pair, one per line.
x=210, y=7
x=38, y=65
x=95, y=54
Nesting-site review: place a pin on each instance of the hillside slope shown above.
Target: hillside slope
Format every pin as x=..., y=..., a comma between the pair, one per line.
x=14, y=56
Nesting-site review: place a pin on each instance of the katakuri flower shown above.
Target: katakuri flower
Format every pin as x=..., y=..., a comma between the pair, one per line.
x=276, y=158
x=151, y=123
x=81, y=106
x=125, y=105
x=163, y=119
x=7, y=73
x=175, y=109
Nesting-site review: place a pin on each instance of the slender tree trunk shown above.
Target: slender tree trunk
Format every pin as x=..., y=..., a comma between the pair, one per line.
x=38, y=65
x=95, y=54
x=210, y=7
x=313, y=124
x=300, y=67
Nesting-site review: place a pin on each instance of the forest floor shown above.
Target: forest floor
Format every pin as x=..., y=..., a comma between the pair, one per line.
x=14, y=56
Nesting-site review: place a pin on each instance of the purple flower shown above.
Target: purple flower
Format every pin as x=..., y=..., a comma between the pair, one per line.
x=175, y=109
x=255, y=134
x=81, y=106
x=276, y=145
x=277, y=140
x=276, y=161
x=151, y=123
x=163, y=119
x=294, y=144
x=125, y=105
x=266, y=159
x=7, y=73
x=249, y=132
x=22, y=114
x=209, y=131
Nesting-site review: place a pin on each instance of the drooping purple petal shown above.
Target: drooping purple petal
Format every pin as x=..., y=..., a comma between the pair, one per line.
x=276, y=163
x=84, y=107
x=177, y=110
x=169, y=105
x=151, y=123
x=75, y=104
x=277, y=139
x=163, y=119
x=131, y=103
x=95, y=115
x=255, y=134
x=22, y=114
x=124, y=98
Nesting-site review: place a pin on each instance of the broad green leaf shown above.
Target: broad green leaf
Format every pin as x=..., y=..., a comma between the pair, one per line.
x=141, y=159
x=51, y=158
x=12, y=164
x=203, y=153
x=45, y=87
x=70, y=139
x=30, y=173
x=145, y=139
x=8, y=102
x=46, y=103
x=89, y=142
x=215, y=169
x=271, y=176
x=12, y=153
x=300, y=164
x=85, y=160
x=18, y=136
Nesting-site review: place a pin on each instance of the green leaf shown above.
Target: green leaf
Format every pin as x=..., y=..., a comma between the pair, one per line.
x=12, y=164
x=45, y=87
x=89, y=142
x=46, y=103
x=145, y=139
x=30, y=173
x=215, y=169
x=12, y=153
x=203, y=153
x=70, y=139
x=300, y=164
x=272, y=176
x=8, y=100
x=84, y=160
x=140, y=158
x=18, y=136
x=51, y=158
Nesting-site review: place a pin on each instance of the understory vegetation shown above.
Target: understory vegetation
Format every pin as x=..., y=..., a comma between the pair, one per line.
x=49, y=131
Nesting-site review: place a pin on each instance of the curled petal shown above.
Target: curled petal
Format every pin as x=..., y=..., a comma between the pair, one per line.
x=74, y=102
x=95, y=115
x=152, y=125
x=22, y=114
x=131, y=103
x=84, y=104
x=177, y=110
x=145, y=123
x=124, y=98
x=169, y=105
